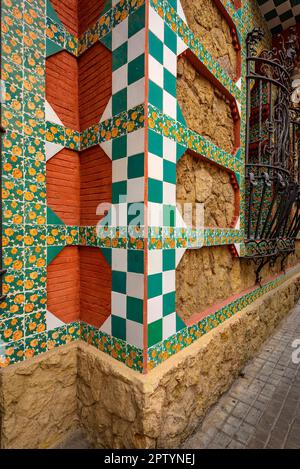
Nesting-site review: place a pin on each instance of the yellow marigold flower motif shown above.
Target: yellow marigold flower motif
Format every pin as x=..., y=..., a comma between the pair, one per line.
x=130, y=126
x=27, y=130
x=41, y=263
x=28, y=240
x=114, y=132
x=7, y=333
x=17, y=173
x=50, y=240
x=17, y=265
x=28, y=284
x=40, y=114
x=31, y=326
x=28, y=196
x=151, y=123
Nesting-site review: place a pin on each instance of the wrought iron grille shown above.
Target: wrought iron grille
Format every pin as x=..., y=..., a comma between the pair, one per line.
x=272, y=154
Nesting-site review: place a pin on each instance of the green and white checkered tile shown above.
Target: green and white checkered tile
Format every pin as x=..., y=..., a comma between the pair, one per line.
x=280, y=14
x=164, y=47
x=128, y=65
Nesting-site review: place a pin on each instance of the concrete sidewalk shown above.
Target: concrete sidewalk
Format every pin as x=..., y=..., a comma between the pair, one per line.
x=262, y=408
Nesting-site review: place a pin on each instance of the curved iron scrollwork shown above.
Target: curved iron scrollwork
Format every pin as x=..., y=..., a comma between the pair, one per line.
x=272, y=153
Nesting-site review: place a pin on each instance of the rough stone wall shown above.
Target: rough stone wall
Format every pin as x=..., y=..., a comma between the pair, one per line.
x=199, y=181
x=38, y=404
x=205, y=20
x=44, y=399
x=209, y=276
x=205, y=109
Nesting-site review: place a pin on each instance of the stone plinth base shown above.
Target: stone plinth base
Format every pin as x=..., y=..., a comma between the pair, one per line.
x=44, y=399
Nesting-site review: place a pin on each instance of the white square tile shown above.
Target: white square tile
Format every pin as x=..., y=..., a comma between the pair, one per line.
x=107, y=148
x=169, y=326
x=135, y=285
x=106, y=327
x=119, y=259
x=120, y=34
x=136, y=93
x=169, y=105
x=170, y=61
x=155, y=214
x=119, y=170
x=134, y=334
x=119, y=79
x=169, y=149
x=181, y=46
x=156, y=72
x=169, y=193
x=155, y=309
x=155, y=167
x=169, y=281
x=179, y=255
x=135, y=190
x=179, y=222
x=118, y=304
x=136, y=45
x=119, y=215
x=136, y=142
x=155, y=262
x=107, y=114
x=156, y=24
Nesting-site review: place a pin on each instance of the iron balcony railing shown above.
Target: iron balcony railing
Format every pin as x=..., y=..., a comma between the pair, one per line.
x=272, y=154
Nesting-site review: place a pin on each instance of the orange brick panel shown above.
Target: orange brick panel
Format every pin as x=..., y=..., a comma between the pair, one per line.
x=62, y=87
x=89, y=11
x=95, y=286
x=95, y=183
x=63, y=186
x=95, y=84
x=67, y=12
x=63, y=282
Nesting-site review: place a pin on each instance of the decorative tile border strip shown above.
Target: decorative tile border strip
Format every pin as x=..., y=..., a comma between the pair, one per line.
x=164, y=350
x=172, y=19
x=59, y=38
x=117, y=126
x=177, y=131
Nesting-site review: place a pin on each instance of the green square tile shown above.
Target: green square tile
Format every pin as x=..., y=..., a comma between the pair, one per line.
x=169, y=262
x=135, y=261
x=154, y=285
x=136, y=21
x=119, y=102
x=169, y=212
x=156, y=48
x=134, y=309
x=120, y=56
x=155, y=333
x=118, y=327
x=119, y=282
x=136, y=69
x=170, y=39
x=155, y=95
x=169, y=172
x=136, y=166
x=155, y=191
x=155, y=143
x=135, y=215
x=169, y=301
x=169, y=83
x=119, y=191
x=119, y=147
